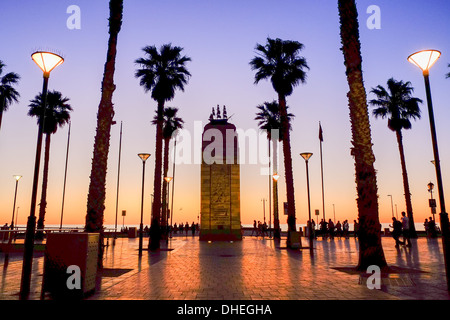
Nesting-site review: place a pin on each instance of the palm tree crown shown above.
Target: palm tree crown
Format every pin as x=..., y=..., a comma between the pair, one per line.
x=170, y=121
x=396, y=103
x=279, y=60
x=57, y=111
x=163, y=72
x=269, y=118
x=8, y=94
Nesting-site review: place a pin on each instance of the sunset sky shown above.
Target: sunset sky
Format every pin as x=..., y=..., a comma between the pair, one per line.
x=220, y=36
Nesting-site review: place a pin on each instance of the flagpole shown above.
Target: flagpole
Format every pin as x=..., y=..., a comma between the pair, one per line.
x=321, y=170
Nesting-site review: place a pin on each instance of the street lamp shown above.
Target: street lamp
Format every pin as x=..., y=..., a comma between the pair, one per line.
x=424, y=60
x=306, y=156
x=144, y=157
x=168, y=179
x=392, y=204
x=46, y=61
x=432, y=203
x=276, y=219
x=17, y=177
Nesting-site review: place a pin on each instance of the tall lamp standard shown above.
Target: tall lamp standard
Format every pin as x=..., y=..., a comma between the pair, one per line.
x=144, y=157
x=168, y=179
x=392, y=204
x=46, y=61
x=424, y=60
x=430, y=190
x=276, y=219
x=306, y=156
x=17, y=177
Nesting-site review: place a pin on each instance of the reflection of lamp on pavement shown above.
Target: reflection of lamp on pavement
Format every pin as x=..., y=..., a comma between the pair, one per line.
x=424, y=60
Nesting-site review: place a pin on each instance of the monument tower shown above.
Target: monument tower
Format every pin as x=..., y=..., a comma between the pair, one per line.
x=220, y=180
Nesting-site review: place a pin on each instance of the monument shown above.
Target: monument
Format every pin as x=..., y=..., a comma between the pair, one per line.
x=220, y=180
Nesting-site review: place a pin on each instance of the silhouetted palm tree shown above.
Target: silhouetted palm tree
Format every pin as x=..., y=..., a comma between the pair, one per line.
x=370, y=248
x=57, y=114
x=279, y=61
x=269, y=120
x=8, y=94
x=171, y=123
x=161, y=72
x=97, y=190
x=399, y=106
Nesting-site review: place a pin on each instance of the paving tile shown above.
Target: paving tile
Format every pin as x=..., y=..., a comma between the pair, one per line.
x=253, y=269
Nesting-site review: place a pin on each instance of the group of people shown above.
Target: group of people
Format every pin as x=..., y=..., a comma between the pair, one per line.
x=259, y=229
x=401, y=228
x=194, y=228
x=431, y=228
x=329, y=229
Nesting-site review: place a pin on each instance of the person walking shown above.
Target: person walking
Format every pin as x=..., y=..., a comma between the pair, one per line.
x=331, y=229
x=405, y=227
x=255, y=228
x=396, y=232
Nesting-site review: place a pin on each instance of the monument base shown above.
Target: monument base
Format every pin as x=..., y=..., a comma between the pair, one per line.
x=221, y=235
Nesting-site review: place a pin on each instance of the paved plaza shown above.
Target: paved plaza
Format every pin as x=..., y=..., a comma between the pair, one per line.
x=251, y=269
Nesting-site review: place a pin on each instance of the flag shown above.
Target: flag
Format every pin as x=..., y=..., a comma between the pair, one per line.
x=320, y=133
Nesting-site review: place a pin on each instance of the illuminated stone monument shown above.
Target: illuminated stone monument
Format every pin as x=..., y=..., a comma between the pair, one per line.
x=220, y=181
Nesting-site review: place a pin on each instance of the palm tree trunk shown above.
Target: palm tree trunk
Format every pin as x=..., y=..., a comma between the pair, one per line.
x=370, y=248
x=290, y=195
x=43, y=204
x=164, y=188
x=409, y=210
x=155, y=231
x=276, y=218
x=97, y=192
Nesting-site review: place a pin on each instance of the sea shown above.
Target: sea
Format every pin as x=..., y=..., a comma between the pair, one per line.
x=419, y=226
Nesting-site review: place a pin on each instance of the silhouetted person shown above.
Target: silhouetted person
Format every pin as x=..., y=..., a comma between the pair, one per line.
x=193, y=228
x=397, y=231
x=432, y=228
x=255, y=228
x=331, y=229
x=356, y=227
x=405, y=227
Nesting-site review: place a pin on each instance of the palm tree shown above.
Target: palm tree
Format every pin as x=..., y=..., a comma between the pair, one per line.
x=8, y=94
x=96, y=195
x=269, y=120
x=57, y=114
x=370, y=248
x=171, y=123
x=279, y=61
x=397, y=103
x=161, y=72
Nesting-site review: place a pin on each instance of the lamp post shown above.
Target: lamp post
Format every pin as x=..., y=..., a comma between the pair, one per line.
x=424, y=60
x=430, y=190
x=46, y=61
x=65, y=177
x=17, y=177
x=144, y=157
x=306, y=156
x=392, y=204
x=17, y=216
x=276, y=219
x=168, y=179
x=118, y=180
